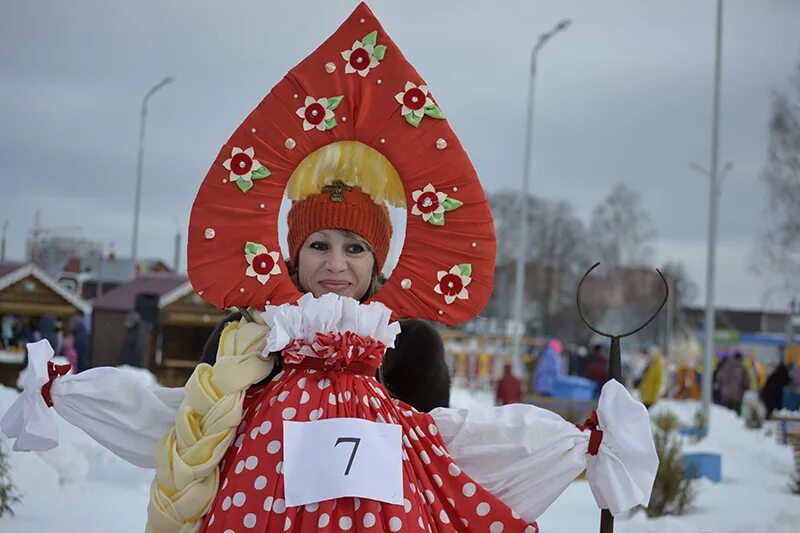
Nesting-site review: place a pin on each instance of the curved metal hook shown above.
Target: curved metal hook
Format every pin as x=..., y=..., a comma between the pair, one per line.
x=609, y=335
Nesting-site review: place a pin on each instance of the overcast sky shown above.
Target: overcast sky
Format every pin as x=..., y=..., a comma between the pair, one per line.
x=624, y=95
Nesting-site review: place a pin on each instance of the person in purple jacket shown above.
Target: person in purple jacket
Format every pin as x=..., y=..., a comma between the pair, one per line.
x=548, y=368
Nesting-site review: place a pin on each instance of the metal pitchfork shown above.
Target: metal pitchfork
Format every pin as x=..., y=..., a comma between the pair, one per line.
x=615, y=362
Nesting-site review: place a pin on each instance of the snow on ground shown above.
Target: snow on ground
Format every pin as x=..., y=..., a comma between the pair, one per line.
x=753, y=495
x=80, y=486
x=463, y=398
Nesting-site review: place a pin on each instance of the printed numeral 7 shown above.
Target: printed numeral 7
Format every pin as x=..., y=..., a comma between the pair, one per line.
x=356, y=441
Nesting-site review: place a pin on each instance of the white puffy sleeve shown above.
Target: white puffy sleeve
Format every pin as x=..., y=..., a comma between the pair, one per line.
x=527, y=456
x=113, y=407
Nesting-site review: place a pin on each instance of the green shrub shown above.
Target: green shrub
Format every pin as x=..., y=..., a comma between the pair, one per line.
x=8, y=496
x=673, y=493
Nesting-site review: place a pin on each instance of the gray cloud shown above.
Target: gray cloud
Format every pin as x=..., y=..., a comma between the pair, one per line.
x=624, y=95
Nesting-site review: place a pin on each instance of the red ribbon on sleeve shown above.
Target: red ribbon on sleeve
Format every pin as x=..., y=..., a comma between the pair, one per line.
x=596, y=436
x=53, y=371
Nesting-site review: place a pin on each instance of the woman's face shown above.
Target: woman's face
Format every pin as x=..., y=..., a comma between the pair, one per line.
x=335, y=261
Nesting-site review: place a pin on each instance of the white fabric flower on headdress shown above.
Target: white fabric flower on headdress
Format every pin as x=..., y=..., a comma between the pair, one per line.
x=414, y=99
x=314, y=113
x=453, y=284
x=428, y=202
x=360, y=58
x=242, y=164
x=262, y=263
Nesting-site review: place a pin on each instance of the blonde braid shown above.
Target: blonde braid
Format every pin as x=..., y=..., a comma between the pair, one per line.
x=188, y=457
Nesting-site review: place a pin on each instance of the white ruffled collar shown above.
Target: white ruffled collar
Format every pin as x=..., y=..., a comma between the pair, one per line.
x=330, y=313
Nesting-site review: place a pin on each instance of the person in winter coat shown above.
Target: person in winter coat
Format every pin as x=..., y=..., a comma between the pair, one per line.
x=68, y=347
x=733, y=382
x=597, y=367
x=509, y=388
x=652, y=378
x=715, y=385
x=80, y=342
x=133, y=344
x=794, y=373
x=48, y=329
x=772, y=393
x=548, y=368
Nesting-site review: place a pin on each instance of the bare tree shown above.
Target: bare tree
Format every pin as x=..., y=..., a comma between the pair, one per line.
x=780, y=244
x=505, y=208
x=561, y=259
x=681, y=286
x=621, y=230
x=555, y=253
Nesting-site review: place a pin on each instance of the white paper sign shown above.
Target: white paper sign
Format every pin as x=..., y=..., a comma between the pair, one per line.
x=341, y=457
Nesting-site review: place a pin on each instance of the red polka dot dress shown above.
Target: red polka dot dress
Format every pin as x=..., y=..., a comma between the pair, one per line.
x=438, y=495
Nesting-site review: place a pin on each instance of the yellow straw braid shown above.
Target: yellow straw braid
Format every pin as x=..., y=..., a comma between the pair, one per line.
x=188, y=457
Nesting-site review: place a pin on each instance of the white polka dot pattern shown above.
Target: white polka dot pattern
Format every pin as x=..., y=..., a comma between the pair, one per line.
x=437, y=491
x=496, y=527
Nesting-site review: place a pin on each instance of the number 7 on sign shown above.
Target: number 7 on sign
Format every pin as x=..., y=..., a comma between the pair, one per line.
x=356, y=441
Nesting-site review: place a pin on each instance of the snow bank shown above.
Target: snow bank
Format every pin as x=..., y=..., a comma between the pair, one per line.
x=78, y=486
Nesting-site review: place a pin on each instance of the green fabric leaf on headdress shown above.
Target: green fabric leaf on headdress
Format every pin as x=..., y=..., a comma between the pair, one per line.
x=451, y=203
x=466, y=269
x=433, y=111
x=330, y=124
x=379, y=52
x=260, y=173
x=244, y=185
x=251, y=248
x=370, y=38
x=437, y=219
x=334, y=101
x=413, y=119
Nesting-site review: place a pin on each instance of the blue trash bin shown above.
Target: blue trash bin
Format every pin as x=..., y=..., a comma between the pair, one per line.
x=707, y=465
x=574, y=388
x=690, y=431
x=791, y=399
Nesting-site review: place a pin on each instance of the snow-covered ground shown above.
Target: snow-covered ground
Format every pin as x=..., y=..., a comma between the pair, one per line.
x=80, y=486
x=753, y=496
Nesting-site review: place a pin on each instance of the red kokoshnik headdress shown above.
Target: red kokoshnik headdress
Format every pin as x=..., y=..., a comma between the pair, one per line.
x=356, y=89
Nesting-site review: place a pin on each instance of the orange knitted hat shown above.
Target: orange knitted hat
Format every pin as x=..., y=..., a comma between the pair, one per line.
x=341, y=207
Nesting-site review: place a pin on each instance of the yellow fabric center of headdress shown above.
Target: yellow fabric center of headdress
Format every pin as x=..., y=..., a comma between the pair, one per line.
x=354, y=164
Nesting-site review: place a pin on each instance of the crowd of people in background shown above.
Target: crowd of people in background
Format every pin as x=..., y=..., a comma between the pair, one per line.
x=69, y=338
x=734, y=378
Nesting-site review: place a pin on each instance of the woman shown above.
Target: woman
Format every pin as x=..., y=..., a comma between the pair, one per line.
x=338, y=243
x=351, y=128
x=340, y=261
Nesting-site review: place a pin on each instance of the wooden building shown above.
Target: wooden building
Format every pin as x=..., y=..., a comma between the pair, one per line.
x=26, y=294
x=178, y=324
x=185, y=323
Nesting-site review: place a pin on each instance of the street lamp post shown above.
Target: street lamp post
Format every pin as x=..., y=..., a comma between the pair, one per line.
x=523, y=219
x=712, y=227
x=137, y=198
x=3, y=242
x=710, y=319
